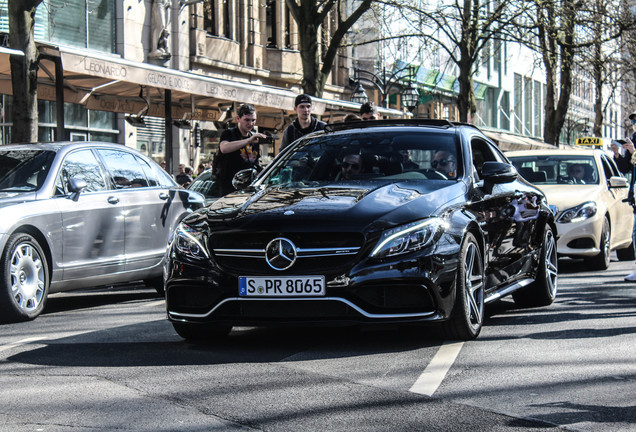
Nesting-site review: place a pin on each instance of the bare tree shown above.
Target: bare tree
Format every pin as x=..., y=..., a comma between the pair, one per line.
x=463, y=29
x=310, y=15
x=563, y=30
x=24, y=70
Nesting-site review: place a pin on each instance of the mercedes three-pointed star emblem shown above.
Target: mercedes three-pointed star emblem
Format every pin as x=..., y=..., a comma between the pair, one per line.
x=280, y=253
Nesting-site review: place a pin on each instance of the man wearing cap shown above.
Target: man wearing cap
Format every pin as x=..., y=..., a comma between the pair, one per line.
x=305, y=123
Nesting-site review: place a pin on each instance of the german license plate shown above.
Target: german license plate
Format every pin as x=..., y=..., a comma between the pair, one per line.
x=287, y=286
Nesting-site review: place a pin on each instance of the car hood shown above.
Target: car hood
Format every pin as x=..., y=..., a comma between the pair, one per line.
x=568, y=196
x=353, y=206
x=9, y=198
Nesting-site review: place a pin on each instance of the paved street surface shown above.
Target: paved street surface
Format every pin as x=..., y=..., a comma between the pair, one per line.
x=109, y=361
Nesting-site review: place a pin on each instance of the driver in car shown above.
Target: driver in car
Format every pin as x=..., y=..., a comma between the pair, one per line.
x=445, y=163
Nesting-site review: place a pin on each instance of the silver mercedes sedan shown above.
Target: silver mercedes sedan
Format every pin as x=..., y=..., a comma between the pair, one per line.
x=81, y=214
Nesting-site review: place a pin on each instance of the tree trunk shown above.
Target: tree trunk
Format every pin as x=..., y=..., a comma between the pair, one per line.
x=466, y=97
x=313, y=80
x=24, y=70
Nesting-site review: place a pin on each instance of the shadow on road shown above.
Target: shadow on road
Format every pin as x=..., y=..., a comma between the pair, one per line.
x=89, y=298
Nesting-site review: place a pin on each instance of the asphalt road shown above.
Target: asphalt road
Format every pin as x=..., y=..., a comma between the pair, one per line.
x=108, y=360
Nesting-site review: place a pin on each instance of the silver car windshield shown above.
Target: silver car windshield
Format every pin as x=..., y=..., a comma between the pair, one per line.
x=24, y=170
x=369, y=157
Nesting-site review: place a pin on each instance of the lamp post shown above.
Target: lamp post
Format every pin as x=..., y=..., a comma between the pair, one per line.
x=409, y=95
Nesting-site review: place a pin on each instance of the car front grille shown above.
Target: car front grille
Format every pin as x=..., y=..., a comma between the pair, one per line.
x=245, y=254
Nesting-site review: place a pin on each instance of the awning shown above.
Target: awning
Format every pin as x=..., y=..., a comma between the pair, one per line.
x=509, y=141
x=110, y=83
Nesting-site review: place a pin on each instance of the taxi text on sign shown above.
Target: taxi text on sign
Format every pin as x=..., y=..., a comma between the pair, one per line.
x=589, y=141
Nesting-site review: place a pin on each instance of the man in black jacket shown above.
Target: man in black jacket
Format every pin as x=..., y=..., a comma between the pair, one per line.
x=238, y=149
x=625, y=165
x=305, y=123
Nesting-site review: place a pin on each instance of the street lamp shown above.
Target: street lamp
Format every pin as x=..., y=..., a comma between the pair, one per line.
x=359, y=95
x=410, y=97
x=384, y=85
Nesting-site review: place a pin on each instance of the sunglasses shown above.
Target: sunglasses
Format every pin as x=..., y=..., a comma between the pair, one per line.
x=634, y=121
x=442, y=162
x=354, y=166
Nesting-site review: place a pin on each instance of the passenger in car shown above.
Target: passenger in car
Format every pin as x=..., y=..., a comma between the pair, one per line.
x=407, y=162
x=351, y=166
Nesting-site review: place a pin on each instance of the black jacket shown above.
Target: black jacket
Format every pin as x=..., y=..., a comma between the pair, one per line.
x=624, y=164
x=293, y=131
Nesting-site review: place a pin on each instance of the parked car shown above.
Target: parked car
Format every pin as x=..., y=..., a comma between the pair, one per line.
x=373, y=222
x=206, y=185
x=588, y=195
x=81, y=214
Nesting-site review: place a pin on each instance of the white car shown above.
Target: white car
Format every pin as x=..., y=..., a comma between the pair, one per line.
x=588, y=196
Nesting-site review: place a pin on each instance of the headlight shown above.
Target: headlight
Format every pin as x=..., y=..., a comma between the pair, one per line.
x=189, y=242
x=578, y=213
x=407, y=238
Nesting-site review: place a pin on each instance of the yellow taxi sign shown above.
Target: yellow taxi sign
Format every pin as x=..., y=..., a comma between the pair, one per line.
x=591, y=141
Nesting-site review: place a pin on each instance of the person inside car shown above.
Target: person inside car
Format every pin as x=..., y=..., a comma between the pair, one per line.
x=445, y=163
x=577, y=173
x=351, y=166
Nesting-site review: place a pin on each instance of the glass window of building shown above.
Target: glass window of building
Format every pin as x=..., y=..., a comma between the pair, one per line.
x=78, y=23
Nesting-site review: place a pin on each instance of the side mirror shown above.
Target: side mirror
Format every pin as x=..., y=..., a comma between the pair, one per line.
x=498, y=172
x=618, y=182
x=243, y=178
x=76, y=185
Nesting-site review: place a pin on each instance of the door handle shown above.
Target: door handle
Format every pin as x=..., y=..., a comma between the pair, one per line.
x=164, y=196
x=113, y=200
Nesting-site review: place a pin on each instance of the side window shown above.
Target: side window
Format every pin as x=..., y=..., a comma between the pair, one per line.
x=124, y=169
x=148, y=172
x=609, y=167
x=81, y=164
x=483, y=152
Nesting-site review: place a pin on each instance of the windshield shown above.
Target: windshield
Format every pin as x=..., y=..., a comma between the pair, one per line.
x=386, y=156
x=557, y=169
x=24, y=170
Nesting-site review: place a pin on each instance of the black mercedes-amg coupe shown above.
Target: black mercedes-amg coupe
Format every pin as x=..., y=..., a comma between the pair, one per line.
x=371, y=222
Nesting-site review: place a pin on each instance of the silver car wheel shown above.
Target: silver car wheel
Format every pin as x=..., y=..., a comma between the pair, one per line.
x=551, y=263
x=27, y=276
x=474, y=287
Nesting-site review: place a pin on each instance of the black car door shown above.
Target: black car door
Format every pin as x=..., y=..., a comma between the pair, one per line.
x=507, y=214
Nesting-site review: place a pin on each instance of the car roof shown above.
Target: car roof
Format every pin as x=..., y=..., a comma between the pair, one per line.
x=543, y=152
x=404, y=124
x=58, y=145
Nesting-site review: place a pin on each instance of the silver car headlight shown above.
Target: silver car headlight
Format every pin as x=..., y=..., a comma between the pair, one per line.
x=578, y=213
x=189, y=242
x=407, y=238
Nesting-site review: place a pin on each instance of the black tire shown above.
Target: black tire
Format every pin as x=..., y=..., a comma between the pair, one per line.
x=543, y=290
x=626, y=254
x=24, y=283
x=157, y=284
x=201, y=332
x=602, y=260
x=467, y=316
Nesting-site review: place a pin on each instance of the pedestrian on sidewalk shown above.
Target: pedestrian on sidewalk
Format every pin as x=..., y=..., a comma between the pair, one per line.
x=627, y=164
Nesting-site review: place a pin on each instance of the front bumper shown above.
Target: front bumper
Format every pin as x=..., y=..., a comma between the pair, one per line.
x=417, y=288
x=580, y=238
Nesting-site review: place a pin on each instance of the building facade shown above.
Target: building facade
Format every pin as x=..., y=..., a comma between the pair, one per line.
x=166, y=76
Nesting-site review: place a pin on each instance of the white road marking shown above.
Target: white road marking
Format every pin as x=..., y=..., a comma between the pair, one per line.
x=434, y=374
x=21, y=342
x=154, y=303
